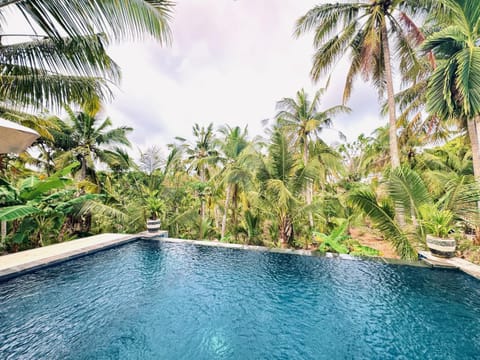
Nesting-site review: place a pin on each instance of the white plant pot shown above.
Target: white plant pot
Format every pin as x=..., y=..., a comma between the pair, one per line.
x=153, y=226
x=441, y=247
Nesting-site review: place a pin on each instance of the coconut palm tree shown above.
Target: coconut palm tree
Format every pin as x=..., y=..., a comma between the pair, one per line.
x=282, y=179
x=236, y=170
x=304, y=121
x=87, y=139
x=452, y=89
x=406, y=193
x=448, y=172
x=367, y=30
x=202, y=154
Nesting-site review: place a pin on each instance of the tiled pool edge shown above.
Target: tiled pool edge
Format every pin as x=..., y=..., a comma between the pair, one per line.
x=63, y=254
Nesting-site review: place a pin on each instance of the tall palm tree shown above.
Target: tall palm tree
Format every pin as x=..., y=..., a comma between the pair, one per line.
x=304, y=121
x=65, y=60
x=202, y=154
x=236, y=170
x=87, y=139
x=366, y=29
x=453, y=87
x=283, y=178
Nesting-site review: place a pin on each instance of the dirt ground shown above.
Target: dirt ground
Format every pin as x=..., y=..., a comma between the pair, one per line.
x=367, y=238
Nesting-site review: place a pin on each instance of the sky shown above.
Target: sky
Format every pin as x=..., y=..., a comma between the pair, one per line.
x=230, y=61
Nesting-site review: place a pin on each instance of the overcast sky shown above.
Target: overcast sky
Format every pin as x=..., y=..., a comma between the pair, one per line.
x=229, y=63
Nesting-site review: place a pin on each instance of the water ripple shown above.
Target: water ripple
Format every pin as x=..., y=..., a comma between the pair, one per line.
x=149, y=300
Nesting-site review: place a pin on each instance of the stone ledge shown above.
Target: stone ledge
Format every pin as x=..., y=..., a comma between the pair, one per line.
x=16, y=264
x=452, y=263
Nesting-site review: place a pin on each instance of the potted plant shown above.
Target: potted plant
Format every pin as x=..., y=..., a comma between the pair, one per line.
x=155, y=208
x=439, y=226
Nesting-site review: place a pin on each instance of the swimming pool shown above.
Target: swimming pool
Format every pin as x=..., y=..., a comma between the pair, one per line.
x=158, y=300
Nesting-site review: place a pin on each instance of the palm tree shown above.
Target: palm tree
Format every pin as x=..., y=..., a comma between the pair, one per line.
x=236, y=169
x=66, y=59
x=366, y=29
x=202, y=154
x=282, y=179
x=304, y=121
x=448, y=172
x=452, y=89
x=87, y=139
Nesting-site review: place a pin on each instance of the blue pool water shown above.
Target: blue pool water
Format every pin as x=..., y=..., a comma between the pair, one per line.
x=149, y=300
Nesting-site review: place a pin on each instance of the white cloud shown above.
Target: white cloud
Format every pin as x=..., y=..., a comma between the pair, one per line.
x=230, y=62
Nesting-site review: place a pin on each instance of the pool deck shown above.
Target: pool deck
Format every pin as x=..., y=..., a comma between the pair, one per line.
x=19, y=263
x=12, y=265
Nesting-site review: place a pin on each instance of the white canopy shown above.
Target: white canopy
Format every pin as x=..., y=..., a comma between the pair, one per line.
x=15, y=138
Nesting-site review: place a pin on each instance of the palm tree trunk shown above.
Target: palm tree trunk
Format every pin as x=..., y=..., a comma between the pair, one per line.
x=83, y=168
x=392, y=119
x=225, y=212
x=3, y=164
x=286, y=231
x=309, y=186
x=3, y=230
x=234, y=210
x=473, y=134
x=472, y=127
x=202, y=197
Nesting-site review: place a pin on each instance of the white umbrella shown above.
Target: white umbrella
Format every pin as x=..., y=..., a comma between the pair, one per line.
x=15, y=138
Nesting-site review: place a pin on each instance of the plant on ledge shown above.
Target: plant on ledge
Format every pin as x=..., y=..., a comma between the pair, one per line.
x=154, y=206
x=439, y=227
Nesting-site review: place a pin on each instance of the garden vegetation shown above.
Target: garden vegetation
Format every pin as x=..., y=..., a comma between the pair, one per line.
x=418, y=174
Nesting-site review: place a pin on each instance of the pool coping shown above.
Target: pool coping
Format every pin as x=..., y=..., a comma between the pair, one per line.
x=16, y=264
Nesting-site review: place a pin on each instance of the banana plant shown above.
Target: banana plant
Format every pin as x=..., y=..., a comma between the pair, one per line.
x=20, y=201
x=339, y=241
x=39, y=206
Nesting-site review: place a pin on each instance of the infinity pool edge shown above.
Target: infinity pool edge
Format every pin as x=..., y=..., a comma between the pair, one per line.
x=17, y=264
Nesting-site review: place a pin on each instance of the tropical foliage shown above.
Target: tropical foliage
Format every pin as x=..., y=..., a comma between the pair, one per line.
x=417, y=175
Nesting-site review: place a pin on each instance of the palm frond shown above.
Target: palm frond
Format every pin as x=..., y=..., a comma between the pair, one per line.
x=381, y=216
x=39, y=89
x=119, y=19
x=408, y=191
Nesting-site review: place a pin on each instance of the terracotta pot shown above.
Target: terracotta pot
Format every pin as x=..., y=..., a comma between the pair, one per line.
x=153, y=225
x=441, y=247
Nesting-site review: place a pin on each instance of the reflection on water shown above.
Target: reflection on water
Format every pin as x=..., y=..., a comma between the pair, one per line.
x=149, y=300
